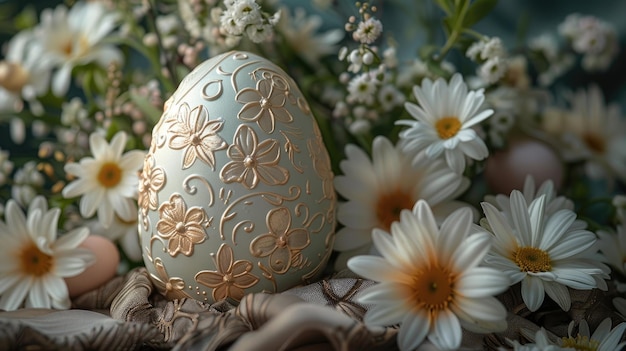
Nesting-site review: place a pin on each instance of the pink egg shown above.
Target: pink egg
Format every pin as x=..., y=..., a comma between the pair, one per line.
x=506, y=170
x=101, y=271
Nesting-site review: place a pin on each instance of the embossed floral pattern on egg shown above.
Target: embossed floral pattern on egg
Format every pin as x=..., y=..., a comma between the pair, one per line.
x=236, y=194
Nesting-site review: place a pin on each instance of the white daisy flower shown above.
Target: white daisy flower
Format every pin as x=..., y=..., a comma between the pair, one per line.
x=430, y=281
x=24, y=74
x=392, y=184
x=595, y=133
x=33, y=261
x=603, y=338
x=445, y=117
x=69, y=40
x=108, y=181
x=546, y=253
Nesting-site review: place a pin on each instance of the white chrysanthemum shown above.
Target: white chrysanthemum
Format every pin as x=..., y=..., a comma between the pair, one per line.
x=24, y=74
x=430, y=279
x=377, y=190
x=603, y=338
x=107, y=181
x=546, y=253
x=594, y=133
x=33, y=261
x=74, y=37
x=445, y=117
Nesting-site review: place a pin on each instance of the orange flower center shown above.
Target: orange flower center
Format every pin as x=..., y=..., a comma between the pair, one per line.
x=13, y=77
x=34, y=262
x=447, y=127
x=580, y=343
x=433, y=288
x=110, y=175
x=594, y=142
x=532, y=259
x=389, y=206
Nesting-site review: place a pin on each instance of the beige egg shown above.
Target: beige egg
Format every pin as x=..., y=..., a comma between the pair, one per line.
x=507, y=169
x=236, y=194
x=101, y=271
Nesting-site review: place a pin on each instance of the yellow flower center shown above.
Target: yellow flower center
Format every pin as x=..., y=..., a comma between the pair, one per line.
x=34, y=262
x=594, y=142
x=447, y=127
x=389, y=206
x=580, y=343
x=13, y=76
x=532, y=259
x=110, y=175
x=433, y=288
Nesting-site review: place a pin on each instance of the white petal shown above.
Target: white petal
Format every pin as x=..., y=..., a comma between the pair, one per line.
x=559, y=293
x=447, y=331
x=475, y=311
x=453, y=231
x=385, y=314
x=413, y=330
x=13, y=298
x=471, y=252
x=481, y=282
x=532, y=292
x=371, y=267
x=521, y=220
x=37, y=296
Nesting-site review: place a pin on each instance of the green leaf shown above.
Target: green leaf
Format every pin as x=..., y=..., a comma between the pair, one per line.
x=477, y=11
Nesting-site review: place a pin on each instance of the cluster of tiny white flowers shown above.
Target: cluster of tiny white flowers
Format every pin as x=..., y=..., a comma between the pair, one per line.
x=558, y=62
x=591, y=37
x=26, y=182
x=371, y=81
x=245, y=17
x=492, y=56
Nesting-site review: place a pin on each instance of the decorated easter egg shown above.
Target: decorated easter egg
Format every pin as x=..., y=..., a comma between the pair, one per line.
x=236, y=194
x=507, y=169
x=101, y=271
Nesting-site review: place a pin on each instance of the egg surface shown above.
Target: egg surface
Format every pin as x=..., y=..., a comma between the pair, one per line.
x=236, y=193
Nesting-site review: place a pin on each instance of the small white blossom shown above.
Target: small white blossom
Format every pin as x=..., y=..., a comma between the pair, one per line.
x=368, y=31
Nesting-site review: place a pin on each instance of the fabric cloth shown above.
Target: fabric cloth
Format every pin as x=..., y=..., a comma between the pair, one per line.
x=128, y=314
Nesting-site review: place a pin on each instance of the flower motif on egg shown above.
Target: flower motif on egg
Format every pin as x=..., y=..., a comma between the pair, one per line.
x=253, y=161
x=182, y=227
x=170, y=287
x=266, y=104
x=283, y=244
x=197, y=135
x=152, y=180
x=231, y=277
x=321, y=165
